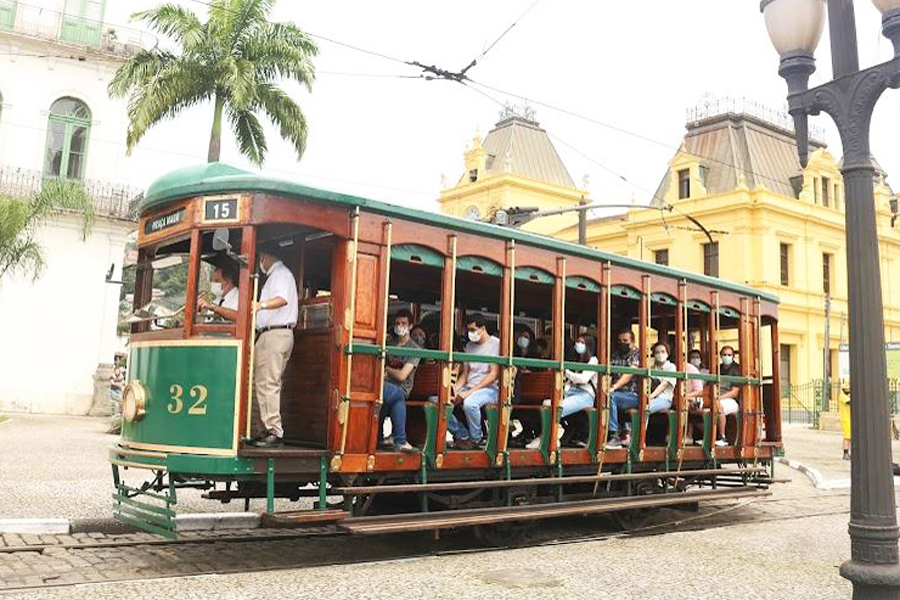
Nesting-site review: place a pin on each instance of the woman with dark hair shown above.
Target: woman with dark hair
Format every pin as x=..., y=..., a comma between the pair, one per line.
x=580, y=390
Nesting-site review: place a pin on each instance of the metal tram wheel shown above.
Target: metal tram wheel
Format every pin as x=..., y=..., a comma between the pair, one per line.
x=508, y=533
x=636, y=518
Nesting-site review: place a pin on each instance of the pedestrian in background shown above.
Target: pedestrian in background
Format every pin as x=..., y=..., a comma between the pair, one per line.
x=844, y=406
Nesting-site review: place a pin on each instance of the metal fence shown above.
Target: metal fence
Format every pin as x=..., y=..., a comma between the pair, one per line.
x=806, y=402
x=110, y=199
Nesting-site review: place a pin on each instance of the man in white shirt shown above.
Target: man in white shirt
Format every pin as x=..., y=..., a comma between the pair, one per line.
x=276, y=316
x=476, y=385
x=224, y=286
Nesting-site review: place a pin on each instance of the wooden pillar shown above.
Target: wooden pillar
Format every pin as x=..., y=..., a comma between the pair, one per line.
x=680, y=352
x=559, y=310
x=190, y=300
x=504, y=398
x=644, y=390
x=773, y=425
x=714, y=363
x=246, y=280
x=448, y=314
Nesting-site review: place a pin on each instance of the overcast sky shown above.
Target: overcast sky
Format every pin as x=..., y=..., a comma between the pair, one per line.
x=637, y=66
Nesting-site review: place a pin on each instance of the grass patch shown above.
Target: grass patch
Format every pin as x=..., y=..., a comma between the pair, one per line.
x=3, y=418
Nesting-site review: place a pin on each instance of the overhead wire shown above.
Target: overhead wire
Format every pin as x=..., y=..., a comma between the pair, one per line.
x=500, y=37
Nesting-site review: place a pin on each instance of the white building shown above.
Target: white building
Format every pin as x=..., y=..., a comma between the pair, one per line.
x=58, y=335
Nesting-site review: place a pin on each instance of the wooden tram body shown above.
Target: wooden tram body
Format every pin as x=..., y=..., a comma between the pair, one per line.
x=190, y=399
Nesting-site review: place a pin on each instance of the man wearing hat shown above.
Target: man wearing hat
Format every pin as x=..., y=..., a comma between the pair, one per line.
x=276, y=316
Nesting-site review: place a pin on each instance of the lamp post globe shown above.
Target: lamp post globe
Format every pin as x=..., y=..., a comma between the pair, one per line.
x=795, y=25
x=890, y=21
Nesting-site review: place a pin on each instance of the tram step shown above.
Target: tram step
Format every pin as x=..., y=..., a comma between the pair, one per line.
x=482, y=516
x=301, y=517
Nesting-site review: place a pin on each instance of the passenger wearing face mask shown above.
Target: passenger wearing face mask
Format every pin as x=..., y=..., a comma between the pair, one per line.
x=729, y=393
x=476, y=384
x=623, y=393
x=580, y=390
x=694, y=387
x=224, y=286
x=662, y=389
x=399, y=374
x=418, y=335
x=276, y=317
x=523, y=343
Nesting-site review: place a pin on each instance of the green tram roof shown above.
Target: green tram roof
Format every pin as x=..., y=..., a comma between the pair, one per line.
x=219, y=178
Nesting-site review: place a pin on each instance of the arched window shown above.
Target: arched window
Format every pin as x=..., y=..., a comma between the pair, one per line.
x=68, y=129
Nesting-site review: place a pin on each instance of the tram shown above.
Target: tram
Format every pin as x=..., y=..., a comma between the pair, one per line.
x=189, y=408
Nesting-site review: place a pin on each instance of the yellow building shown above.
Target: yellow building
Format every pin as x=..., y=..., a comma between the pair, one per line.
x=515, y=165
x=772, y=227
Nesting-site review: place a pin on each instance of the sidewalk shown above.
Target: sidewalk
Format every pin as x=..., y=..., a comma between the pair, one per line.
x=821, y=450
x=57, y=467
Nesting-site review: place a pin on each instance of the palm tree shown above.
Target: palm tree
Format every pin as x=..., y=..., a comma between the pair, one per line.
x=20, y=219
x=233, y=59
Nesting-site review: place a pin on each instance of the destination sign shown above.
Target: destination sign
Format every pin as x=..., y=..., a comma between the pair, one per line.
x=221, y=209
x=161, y=222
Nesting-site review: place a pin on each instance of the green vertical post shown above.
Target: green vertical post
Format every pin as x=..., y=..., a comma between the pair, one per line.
x=270, y=485
x=423, y=478
x=323, y=483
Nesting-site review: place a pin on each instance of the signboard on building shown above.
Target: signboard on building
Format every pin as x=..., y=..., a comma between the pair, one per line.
x=892, y=353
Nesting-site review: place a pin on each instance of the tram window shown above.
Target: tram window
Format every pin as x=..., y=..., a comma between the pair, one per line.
x=163, y=305
x=218, y=280
x=416, y=286
x=478, y=289
x=581, y=314
x=534, y=307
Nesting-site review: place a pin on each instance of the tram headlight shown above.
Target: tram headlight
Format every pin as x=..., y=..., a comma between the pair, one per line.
x=134, y=401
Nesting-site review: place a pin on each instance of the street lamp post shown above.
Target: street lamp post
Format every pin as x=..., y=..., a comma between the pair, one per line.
x=795, y=27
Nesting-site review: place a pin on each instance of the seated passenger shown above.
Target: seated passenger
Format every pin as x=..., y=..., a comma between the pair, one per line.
x=623, y=392
x=399, y=374
x=224, y=286
x=694, y=387
x=418, y=335
x=729, y=393
x=523, y=342
x=539, y=349
x=580, y=392
x=476, y=385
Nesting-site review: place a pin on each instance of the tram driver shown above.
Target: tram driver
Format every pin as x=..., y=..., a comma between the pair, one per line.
x=224, y=286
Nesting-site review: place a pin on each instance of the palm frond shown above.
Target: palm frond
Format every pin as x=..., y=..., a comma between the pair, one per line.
x=174, y=21
x=250, y=136
x=239, y=81
x=285, y=113
x=282, y=51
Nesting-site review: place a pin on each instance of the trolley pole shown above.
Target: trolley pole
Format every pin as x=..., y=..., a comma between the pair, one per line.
x=795, y=28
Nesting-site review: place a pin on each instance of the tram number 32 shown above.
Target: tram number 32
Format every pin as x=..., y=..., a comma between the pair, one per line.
x=197, y=392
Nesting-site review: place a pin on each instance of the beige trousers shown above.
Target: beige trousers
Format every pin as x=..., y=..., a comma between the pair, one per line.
x=273, y=349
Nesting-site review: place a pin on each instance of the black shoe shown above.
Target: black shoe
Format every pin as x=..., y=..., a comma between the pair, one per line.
x=270, y=441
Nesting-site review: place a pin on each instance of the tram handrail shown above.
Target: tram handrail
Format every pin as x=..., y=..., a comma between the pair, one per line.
x=542, y=363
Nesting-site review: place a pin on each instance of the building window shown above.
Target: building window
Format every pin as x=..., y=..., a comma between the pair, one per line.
x=7, y=14
x=826, y=273
x=473, y=175
x=661, y=257
x=826, y=191
x=816, y=190
x=704, y=175
x=711, y=259
x=785, y=351
x=785, y=264
x=837, y=196
x=82, y=22
x=684, y=184
x=68, y=129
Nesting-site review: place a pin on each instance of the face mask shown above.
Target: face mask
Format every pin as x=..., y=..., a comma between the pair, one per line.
x=401, y=330
x=661, y=357
x=580, y=347
x=474, y=336
x=696, y=362
x=727, y=360
x=624, y=345
x=216, y=288
x=419, y=340
x=523, y=342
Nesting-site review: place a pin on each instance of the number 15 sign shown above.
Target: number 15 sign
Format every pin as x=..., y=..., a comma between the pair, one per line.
x=221, y=209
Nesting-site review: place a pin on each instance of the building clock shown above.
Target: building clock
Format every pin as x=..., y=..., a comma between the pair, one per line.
x=472, y=213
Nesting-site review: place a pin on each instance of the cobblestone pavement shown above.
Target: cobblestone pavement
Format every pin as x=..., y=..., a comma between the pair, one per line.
x=57, y=467
x=721, y=531
x=784, y=559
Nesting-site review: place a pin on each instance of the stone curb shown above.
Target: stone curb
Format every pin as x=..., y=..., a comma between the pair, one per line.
x=818, y=481
x=185, y=522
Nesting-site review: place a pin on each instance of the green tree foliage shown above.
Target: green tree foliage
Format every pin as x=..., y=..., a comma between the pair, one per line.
x=20, y=219
x=233, y=60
